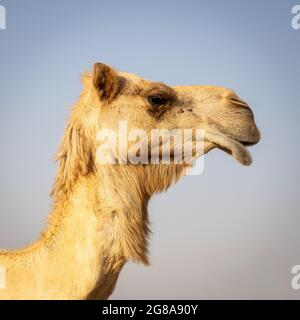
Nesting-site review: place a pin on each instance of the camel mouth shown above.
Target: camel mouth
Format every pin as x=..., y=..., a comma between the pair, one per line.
x=251, y=141
x=247, y=143
x=233, y=146
x=239, y=151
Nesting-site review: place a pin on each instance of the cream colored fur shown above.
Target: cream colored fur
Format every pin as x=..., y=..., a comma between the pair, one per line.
x=99, y=219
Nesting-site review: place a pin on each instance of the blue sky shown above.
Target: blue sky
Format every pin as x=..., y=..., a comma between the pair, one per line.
x=232, y=226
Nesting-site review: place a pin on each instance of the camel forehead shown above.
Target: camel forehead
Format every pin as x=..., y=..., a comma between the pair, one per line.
x=131, y=77
x=134, y=83
x=138, y=85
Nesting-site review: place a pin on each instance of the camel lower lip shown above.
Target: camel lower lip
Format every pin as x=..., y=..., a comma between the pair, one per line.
x=240, y=153
x=231, y=146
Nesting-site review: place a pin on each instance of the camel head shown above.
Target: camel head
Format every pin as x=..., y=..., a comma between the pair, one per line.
x=110, y=97
x=227, y=121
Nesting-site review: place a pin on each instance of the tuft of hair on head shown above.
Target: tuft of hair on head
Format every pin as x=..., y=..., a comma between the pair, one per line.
x=75, y=156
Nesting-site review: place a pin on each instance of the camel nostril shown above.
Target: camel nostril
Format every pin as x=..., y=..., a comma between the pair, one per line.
x=239, y=102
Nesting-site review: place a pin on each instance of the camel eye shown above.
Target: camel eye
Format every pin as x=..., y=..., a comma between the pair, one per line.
x=157, y=100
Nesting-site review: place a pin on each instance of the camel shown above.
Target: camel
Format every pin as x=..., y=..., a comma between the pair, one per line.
x=99, y=218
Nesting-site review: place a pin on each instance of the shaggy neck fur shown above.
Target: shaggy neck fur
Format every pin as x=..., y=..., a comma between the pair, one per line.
x=95, y=229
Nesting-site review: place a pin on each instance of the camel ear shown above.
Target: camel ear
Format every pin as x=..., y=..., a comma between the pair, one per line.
x=105, y=80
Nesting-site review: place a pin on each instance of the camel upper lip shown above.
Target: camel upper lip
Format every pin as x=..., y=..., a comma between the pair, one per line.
x=248, y=142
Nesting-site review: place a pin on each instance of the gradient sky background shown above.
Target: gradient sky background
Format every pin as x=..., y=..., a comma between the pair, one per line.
x=234, y=231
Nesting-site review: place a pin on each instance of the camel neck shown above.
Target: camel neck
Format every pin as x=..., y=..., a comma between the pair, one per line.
x=95, y=229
